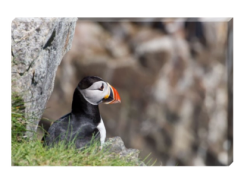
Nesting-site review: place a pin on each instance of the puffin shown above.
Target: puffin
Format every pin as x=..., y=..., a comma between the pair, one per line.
x=84, y=121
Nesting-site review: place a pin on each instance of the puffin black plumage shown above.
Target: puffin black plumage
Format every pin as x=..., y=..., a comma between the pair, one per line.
x=84, y=120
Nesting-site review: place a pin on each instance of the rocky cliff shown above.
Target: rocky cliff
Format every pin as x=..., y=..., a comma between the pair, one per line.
x=37, y=47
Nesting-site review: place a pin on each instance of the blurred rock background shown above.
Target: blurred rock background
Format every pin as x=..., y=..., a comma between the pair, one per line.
x=174, y=77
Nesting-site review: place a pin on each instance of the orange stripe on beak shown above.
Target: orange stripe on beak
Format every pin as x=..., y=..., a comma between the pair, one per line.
x=117, y=98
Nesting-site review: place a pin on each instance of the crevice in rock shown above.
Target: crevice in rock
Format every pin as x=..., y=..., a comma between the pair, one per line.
x=33, y=81
x=50, y=40
x=38, y=29
x=21, y=74
x=12, y=54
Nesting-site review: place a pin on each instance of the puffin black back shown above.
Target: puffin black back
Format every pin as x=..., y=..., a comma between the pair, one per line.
x=84, y=121
x=81, y=121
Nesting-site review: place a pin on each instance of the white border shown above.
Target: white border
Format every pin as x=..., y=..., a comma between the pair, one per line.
x=139, y=19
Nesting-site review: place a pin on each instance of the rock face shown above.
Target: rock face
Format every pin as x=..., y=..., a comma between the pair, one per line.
x=37, y=47
x=116, y=145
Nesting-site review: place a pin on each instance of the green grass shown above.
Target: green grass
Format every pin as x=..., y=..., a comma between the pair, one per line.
x=18, y=121
x=32, y=152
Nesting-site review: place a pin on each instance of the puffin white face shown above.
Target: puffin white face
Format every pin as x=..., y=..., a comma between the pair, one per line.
x=96, y=92
x=100, y=91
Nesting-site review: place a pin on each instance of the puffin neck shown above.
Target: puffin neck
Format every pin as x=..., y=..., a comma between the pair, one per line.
x=82, y=108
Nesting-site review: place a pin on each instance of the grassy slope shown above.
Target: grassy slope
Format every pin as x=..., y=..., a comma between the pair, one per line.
x=32, y=153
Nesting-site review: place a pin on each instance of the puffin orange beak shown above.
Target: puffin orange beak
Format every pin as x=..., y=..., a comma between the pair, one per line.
x=117, y=98
x=112, y=97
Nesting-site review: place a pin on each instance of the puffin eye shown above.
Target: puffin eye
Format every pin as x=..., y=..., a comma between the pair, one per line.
x=101, y=88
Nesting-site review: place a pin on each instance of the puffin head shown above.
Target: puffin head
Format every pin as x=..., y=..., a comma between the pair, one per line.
x=95, y=91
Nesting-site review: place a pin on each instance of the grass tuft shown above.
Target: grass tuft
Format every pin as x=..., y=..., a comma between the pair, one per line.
x=18, y=126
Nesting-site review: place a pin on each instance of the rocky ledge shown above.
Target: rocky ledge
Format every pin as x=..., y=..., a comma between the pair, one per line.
x=116, y=146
